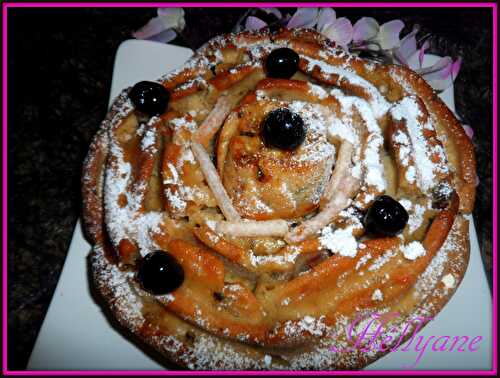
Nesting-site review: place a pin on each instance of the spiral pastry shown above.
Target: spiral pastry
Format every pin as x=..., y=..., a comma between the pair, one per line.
x=248, y=207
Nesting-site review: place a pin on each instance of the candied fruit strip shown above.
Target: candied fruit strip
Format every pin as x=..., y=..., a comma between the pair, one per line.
x=214, y=182
x=251, y=228
x=347, y=186
x=341, y=167
x=213, y=122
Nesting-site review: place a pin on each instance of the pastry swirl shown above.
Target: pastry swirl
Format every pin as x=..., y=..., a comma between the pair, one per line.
x=276, y=255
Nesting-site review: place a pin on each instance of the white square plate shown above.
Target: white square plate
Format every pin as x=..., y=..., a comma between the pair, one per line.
x=76, y=335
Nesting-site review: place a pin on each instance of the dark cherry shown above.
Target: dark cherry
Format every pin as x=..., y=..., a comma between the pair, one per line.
x=386, y=217
x=283, y=129
x=149, y=97
x=160, y=273
x=282, y=63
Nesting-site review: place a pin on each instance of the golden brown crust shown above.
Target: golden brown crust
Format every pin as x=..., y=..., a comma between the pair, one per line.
x=186, y=345
x=93, y=172
x=230, y=299
x=458, y=144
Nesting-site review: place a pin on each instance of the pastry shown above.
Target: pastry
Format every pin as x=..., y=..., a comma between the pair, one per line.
x=248, y=207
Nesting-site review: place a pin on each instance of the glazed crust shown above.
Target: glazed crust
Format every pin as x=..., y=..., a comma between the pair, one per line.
x=173, y=332
x=177, y=340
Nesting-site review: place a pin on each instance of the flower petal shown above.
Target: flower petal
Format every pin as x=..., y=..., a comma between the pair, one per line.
x=339, y=31
x=303, y=18
x=165, y=36
x=254, y=23
x=172, y=18
x=388, y=35
x=153, y=27
x=274, y=11
x=439, y=75
x=455, y=68
x=364, y=29
x=326, y=16
x=468, y=131
x=438, y=70
x=408, y=45
x=401, y=58
x=421, y=53
x=441, y=84
x=367, y=46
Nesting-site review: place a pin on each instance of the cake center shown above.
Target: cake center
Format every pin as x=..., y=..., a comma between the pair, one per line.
x=265, y=182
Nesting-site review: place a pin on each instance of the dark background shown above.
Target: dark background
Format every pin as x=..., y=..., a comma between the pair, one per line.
x=60, y=64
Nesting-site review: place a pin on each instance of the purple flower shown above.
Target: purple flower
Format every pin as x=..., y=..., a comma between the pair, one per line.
x=367, y=32
x=303, y=18
x=365, y=29
x=368, y=35
x=407, y=47
x=388, y=34
x=339, y=30
x=164, y=27
x=254, y=23
x=469, y=131
x=439, y=75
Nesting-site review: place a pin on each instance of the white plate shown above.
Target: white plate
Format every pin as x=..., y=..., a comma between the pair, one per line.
x=76, y=335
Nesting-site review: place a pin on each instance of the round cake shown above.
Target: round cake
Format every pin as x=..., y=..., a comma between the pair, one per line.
x=259, y=206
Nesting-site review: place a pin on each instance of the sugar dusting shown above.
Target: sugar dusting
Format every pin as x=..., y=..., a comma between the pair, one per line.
x=340, y=241
x=407, y=109
x=128, y=222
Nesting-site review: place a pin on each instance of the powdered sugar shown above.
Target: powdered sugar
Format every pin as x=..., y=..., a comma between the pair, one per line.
x=377, y=295
x=363, y=260
x=407, y=109
x=382, y=260
x=413, y=250
x=416, y=217
x=318, y=91
x=183, y=122
x=314, y=326
x=340, y=241
x=148, y=141
x=373, y=167
x=448, y=281
x=127, y=221
x=378, y=103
